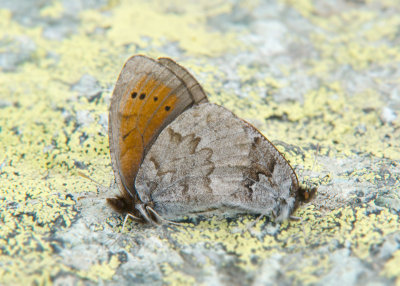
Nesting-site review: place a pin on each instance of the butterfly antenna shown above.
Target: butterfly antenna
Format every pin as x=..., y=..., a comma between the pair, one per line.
x=313, y=166
x=3, y=163
x=309, y=192
x=315, y=157
x=88, y=178
x=102, y=187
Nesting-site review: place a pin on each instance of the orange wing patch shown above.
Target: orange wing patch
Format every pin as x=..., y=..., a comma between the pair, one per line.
x=143, y=112
x=131, y=157
x=157, y=96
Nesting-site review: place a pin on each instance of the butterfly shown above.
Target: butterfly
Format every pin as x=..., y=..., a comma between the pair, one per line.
x=175, y=154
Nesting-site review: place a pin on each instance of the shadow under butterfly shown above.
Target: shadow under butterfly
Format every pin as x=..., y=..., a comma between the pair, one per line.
x=174, y=154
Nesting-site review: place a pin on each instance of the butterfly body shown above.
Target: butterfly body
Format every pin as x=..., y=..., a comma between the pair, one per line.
x=192, y=158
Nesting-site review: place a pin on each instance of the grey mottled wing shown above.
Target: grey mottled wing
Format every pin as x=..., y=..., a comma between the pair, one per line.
x=209, y=161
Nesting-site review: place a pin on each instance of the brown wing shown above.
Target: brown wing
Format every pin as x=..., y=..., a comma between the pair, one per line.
x=148, y=95
x=191, y=83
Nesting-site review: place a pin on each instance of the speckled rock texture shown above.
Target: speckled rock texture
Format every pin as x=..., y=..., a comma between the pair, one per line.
x=320, y=79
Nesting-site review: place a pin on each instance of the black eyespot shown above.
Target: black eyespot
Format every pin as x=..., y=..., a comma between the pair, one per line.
x=155, y=98
x=142, y=96
x=167, y=108
x=134, y=94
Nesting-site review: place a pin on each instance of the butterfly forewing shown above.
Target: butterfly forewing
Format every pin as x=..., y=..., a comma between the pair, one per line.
x=148, y=95
x=191, y=83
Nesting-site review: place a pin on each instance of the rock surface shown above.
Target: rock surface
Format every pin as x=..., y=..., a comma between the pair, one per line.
x=320, y=79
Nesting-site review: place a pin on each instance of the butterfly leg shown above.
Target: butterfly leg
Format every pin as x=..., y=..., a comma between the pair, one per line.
x=273, y=215
x=160, y=218
x=123, y=226
x=144, y=212
x=126, y=218
x=295, y=218
x=252, y=224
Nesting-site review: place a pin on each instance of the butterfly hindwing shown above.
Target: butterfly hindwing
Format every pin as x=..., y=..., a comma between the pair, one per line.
x=210, y=161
